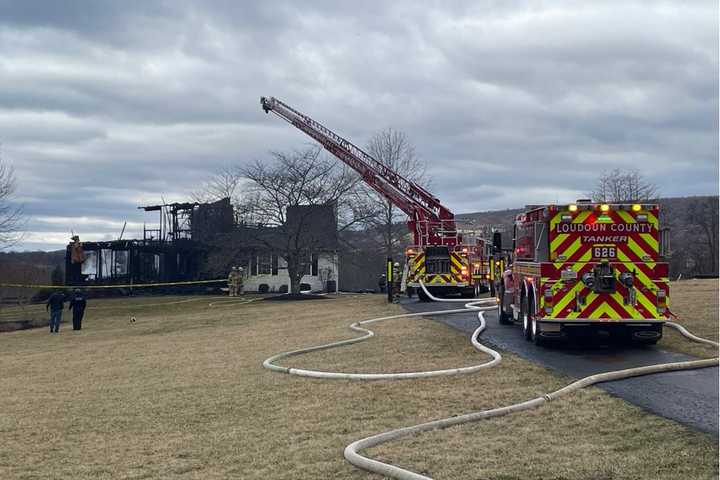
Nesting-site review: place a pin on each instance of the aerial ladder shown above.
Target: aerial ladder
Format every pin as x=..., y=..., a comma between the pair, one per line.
x=438, y=255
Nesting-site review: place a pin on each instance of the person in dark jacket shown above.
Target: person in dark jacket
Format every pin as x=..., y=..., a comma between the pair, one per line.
x=77, y=305
x=55, y=304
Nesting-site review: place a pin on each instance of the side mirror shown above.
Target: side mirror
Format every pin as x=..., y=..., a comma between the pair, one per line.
x=497, y=241
x=664, y=242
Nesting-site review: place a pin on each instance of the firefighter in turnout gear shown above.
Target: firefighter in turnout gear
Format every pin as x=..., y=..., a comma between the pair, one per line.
x=233, y=278
x=396, y=280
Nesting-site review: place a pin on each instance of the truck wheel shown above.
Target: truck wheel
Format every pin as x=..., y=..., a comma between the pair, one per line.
x=468, y=292
x=526, y=318
x=535, y=336
x=422, y=295
x=503, y=316
x=647, y=337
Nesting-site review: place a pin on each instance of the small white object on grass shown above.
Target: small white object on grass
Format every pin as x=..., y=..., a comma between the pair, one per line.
x=132, y=319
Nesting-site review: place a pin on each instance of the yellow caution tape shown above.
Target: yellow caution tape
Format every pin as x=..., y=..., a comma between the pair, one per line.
x=134, y=285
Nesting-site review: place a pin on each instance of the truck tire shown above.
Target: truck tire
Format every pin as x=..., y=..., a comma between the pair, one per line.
x=647, y=337
x=504, y=318
x=422, y=295
x=525, y=309
x=535, y=336
x=468, y=292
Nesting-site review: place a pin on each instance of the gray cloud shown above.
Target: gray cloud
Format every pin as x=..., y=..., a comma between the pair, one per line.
x=108, y=105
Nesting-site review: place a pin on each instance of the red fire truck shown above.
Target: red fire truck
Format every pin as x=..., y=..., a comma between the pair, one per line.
x=587, y=268
x=445, y=260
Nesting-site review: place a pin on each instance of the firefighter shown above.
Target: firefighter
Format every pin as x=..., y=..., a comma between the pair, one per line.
x=232, y=282
x=396, y=280
x=77, y=257
x=382, y=282
x=239, y=289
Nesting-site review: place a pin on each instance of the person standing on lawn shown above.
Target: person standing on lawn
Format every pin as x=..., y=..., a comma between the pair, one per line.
x=77, y=305
x=55, y=305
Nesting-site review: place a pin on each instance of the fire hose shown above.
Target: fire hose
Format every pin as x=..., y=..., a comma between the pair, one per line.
x=351, y=451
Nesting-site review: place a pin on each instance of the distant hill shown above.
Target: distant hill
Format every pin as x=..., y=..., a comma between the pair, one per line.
x=36, y=259
x=29, y=268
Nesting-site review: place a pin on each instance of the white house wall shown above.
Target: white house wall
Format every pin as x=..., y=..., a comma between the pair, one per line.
x=326, y=262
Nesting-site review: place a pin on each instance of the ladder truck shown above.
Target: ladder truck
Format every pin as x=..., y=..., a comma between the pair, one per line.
x=440, y=257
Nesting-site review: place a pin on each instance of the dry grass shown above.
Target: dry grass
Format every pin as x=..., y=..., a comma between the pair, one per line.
x=182, y=394
x=695, y=302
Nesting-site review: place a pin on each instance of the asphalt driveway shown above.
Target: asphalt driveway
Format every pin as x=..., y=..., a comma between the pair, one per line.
x=689, y=397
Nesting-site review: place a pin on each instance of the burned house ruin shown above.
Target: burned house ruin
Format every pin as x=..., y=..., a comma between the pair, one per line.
x=169, y=253
x=202, y=241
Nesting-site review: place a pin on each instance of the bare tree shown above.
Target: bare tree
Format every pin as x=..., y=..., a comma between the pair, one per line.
x=703, y=218
x=392, y=148
x=289, y=180
x=623, y=186
x=223, y=183
x=11, y=216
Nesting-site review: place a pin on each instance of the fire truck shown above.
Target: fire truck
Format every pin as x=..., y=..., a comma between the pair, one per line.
x=440, y=256
x=587, y=269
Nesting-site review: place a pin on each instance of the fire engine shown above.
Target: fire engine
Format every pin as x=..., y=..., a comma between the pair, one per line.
x=440, y=256
x=587, y=268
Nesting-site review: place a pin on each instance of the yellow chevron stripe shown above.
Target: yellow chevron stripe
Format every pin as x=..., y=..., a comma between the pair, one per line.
x=637, y=249
x=650, y=240
x=574, y=247
x=555, y=220
x=591, y=296
x=604, y=308
x=646, y=302
x=455, y=260
x=652, y=219
x=557, y=241
x=582, y=216
x=639, y=274
x=566, y=299
x=626, y=216
x=630, y=311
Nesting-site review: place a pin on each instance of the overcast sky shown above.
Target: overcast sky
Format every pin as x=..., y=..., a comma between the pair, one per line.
x=108, y=105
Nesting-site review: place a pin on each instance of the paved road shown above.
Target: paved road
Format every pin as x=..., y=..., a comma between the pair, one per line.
x=689, y=397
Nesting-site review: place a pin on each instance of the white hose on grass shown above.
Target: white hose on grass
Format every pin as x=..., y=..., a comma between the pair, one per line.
x=351, y=451
x=269, y=363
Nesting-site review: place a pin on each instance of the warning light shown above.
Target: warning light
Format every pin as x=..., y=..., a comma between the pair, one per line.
x=572, y=208
x=604, y=207
x=636, y=207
